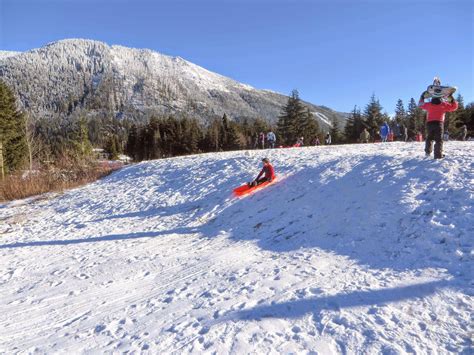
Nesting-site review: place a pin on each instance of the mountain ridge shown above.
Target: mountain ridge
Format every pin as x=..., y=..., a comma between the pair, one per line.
x=77, y=76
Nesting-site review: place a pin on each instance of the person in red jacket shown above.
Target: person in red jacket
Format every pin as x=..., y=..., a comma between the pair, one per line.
x=436, y=110
x=267, y=171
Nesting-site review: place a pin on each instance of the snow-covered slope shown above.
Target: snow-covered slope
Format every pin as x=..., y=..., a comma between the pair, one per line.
x=356, y=249
x=70, y=76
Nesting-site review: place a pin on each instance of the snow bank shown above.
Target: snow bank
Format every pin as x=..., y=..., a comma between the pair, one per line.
x=357, y=249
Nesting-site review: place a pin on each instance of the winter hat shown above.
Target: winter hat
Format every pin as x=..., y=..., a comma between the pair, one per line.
x=436, y=101
x=266, y=160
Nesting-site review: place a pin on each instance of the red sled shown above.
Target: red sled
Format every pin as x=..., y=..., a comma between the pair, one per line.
x=245, y=189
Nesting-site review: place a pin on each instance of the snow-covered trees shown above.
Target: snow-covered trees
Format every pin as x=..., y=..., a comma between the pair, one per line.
x=74, y=75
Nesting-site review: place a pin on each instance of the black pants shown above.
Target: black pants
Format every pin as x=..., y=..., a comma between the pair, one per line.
x=258, y=182
x=434, y=132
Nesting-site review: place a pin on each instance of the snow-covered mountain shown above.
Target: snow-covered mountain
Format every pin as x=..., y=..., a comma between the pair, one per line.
x=69, y=75
x=362, y=249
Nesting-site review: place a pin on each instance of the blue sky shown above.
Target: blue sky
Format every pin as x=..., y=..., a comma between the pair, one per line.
x=336, y=53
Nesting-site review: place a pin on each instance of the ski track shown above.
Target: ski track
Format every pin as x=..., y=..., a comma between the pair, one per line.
x=356, y=249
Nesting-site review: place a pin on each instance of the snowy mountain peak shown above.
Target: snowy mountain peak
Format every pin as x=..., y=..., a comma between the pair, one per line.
x=8, y=54
x=72, y=75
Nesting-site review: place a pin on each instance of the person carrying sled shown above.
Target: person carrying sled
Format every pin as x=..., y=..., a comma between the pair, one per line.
x=436, y=110
x=267, y=171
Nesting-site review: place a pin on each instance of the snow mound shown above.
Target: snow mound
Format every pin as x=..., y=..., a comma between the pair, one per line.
x=355, y=249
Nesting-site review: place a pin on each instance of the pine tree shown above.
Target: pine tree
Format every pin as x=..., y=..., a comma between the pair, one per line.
x=235, y=139
x=213, y=139
x=131, y=145
x=469, y=118
x=12, y=133
x=111, y=148
x=306, y=126
x=153, y=139
x=354, y=126
x=247, y=133
x=373, y=115
x=224, y=132
x=194, y=135
x=400, y=113
x=415, y=119
x=335, y=132
x=454, y=120
x=289, y=119
x=80, y=139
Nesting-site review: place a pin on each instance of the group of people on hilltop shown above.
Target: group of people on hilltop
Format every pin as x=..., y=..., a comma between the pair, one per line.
x=400, y=133
x=384, y=134
x=268, y=140
x=436, y=110
x=263, y=140
x=462, y=136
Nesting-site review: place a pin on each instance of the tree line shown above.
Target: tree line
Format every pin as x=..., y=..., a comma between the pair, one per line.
x=411, y=117
x=27, y=140
x=172, y=136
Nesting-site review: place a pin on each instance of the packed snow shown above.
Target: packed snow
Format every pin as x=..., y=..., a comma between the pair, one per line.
x=355, y=249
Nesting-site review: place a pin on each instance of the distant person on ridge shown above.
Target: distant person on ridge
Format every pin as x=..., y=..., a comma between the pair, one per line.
x=364, y=136
x=328, y=139
x=261, y=140
x=267, y=170
x=404, y=132
x=436, y=110
x=446, y=136
x=271, y=139
x=384, y=131
x=299, y=142
x=315, y=141
x=464, y=133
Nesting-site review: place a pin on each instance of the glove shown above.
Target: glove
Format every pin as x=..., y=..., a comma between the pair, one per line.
x=450, y=99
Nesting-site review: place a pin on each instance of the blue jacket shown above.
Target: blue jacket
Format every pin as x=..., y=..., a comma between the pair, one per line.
x=384, y=130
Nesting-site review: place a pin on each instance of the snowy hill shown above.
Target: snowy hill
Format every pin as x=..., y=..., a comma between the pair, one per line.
x=74, y=75
x=356, y=249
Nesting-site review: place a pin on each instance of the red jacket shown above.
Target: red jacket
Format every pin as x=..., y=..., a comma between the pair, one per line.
x=436, y=112
x=269, y=172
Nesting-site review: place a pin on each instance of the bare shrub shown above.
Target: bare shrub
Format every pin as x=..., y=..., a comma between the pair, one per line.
x=64, y=174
